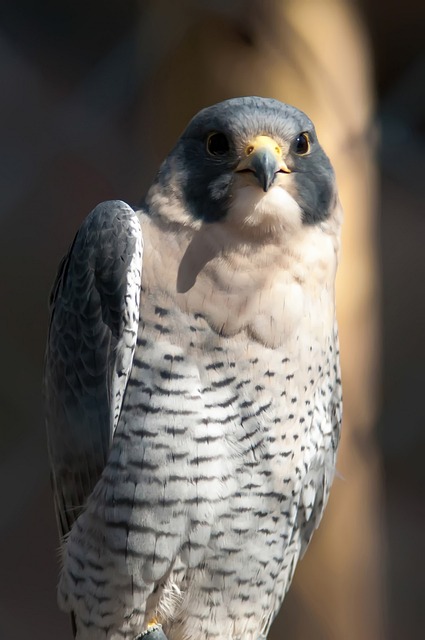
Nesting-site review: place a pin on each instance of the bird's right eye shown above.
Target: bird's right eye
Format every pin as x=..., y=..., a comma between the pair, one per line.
x=217, y=144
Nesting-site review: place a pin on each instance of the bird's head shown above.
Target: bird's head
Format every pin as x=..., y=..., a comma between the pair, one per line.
x=252, y=162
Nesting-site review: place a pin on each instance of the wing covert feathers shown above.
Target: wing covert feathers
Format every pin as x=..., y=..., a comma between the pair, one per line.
x=94, y=315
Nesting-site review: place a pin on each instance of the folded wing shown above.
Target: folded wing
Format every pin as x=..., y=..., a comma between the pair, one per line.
x=94, y=319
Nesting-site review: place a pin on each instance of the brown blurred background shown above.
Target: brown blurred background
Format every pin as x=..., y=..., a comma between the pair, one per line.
x=93, y=96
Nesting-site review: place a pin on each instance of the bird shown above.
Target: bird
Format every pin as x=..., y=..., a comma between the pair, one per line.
x=192, y=383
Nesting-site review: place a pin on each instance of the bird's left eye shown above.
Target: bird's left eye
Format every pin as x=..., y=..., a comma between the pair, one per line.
x=217, y=144
x=302, y=144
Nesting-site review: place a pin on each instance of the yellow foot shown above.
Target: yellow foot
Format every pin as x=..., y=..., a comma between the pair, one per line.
x=152, y=632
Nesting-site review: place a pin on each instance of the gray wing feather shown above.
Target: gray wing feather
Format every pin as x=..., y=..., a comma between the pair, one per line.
x=92, y=337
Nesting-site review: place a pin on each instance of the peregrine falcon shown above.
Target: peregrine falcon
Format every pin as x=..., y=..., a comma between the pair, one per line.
x=192, y=383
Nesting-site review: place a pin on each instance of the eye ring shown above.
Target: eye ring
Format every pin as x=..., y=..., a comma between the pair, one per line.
x=302, y=144
x=217, y=144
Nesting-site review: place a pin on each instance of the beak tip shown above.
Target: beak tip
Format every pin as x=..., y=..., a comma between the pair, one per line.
x=265, y=168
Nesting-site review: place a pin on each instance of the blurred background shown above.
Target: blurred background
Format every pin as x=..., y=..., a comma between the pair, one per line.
x=94, y=95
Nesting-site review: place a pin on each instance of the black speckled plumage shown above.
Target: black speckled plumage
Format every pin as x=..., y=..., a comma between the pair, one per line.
x=192, y=384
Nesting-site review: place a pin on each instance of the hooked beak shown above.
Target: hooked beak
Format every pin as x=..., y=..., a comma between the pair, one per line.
x=263, y=157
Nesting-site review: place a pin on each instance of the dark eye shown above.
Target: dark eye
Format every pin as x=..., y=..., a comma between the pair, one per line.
x=302, y=144
x=217, y=144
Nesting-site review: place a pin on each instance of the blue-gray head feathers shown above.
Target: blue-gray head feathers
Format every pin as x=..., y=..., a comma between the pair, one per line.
x=208, y=155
